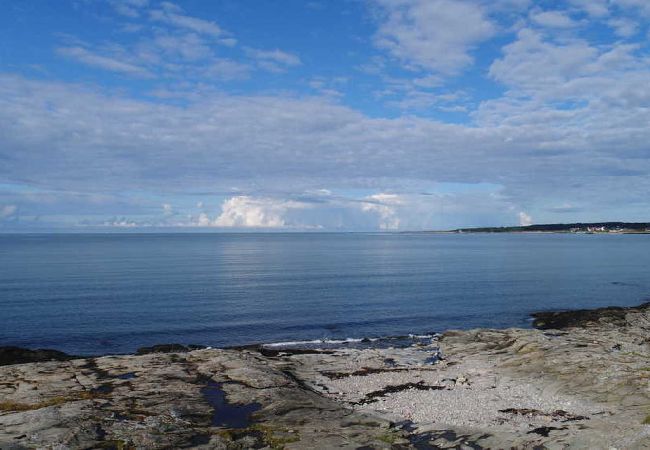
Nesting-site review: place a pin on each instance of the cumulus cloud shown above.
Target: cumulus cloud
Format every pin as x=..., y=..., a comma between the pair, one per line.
x=594, y=8
x=385, y=205
x=623, y=27
x=553, y=19
x=248, y=212
x=69, y=137
x=525, y=219
x=589, y=94
x=637, y=6
x=532, y=61
x=322, y=209
x=203, y=220
x=434, y=35
x=570, y=109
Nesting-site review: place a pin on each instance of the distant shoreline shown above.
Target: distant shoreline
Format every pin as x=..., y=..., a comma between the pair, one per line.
x=578, y=228
x=542, y=232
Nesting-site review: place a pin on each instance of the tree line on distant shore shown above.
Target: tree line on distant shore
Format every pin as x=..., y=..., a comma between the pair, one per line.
x=592, y=227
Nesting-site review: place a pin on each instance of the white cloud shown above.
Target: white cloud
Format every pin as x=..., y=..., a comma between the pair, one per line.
x=69, y=137
x=583, y=91
x=553, y=19
x=188, y=46
x=203, y=220
x=273, y=60
x=594, y=8
x=525, y=219
x=8, y=211
x=434, y=35
x=385, y=205
x=128, y=8
x=531, y=61
x=623, y=27
x=103, y=62
x=173, y=15
x=574, y=109
x=642, y=6
x=121, y=222
x=414, y=99
x=507, y=6
x=186, y=50
x=248, y=212
x=168, y=209
x=228, y=42
x=226, y=69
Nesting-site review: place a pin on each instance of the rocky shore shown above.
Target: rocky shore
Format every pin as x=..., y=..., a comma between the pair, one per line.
x=580, y=379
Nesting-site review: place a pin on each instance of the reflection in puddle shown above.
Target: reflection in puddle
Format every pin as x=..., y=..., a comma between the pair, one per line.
x=126, y=376
x=226, y=414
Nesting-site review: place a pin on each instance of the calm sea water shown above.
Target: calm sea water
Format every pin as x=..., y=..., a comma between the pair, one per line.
x=97, y=294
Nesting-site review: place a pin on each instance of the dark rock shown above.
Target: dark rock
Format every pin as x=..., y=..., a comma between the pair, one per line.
x=19, y=355
x=168, y=348
x=273, y=352
x=406, y=425
x=557, y=320
x=544, y=431
x=391, y=389
x=446, y=439
x=558, y=414
x=101, y=390
x=365, y=371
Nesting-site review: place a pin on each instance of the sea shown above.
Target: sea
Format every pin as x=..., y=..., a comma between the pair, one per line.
x=94, y=294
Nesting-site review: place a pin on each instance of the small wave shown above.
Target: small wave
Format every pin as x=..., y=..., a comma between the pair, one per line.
x=424, y=336
x=320, y=341
x=402, y=340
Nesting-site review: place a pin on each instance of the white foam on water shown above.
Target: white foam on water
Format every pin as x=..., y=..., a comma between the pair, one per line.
x=348, y=340
x=320, y=341
x=423, y=336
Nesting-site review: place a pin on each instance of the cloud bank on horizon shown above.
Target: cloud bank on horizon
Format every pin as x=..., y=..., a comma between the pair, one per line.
x=346, y=115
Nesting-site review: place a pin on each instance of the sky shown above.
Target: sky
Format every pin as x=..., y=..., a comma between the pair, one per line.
x=332, y=115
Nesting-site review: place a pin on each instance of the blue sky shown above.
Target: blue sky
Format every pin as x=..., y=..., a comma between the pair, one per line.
x=322, y=115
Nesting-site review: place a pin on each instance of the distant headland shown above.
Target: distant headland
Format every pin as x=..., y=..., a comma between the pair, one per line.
x=594, y=227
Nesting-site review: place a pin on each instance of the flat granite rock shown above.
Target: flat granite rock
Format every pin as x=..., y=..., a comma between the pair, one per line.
x=203, y=399
x=584, y=385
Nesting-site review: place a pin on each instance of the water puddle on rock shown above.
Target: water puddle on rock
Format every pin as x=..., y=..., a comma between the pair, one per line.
x=126, y=376
x=226, y=414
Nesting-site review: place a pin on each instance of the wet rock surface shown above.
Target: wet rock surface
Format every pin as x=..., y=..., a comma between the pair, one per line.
x=612, y=315
x=18, y=355
x=168, y=348
x=582, y=386
x=203, y=399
